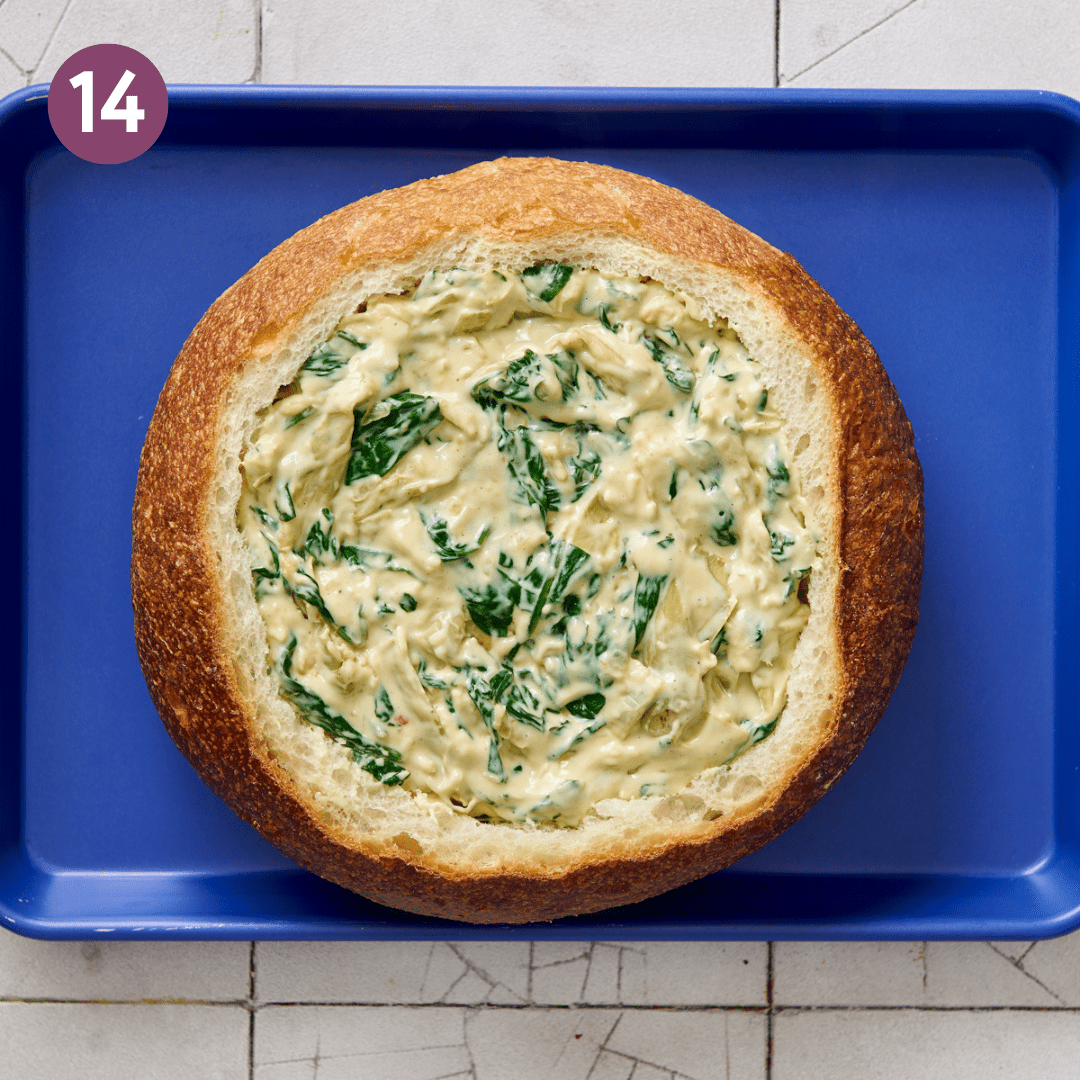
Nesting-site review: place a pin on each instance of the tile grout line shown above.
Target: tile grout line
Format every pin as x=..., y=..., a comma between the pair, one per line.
x=256, y=75
x=770, y=999
x=929, y=1008
x=203, y=1003
x=479, y=1006
x=776, y=45
x=251, y=1044
x=251, y=1012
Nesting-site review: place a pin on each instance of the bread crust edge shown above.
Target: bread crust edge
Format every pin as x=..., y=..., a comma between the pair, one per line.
x=177, y=593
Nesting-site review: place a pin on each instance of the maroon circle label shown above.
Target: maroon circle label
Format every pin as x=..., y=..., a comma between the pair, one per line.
x=108, y=104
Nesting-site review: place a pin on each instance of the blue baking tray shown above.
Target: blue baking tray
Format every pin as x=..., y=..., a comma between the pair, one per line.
x=946, y=224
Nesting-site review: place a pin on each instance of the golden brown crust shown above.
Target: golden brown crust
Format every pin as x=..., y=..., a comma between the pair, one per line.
x=179, y=612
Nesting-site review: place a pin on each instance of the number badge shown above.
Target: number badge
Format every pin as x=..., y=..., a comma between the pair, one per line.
x=108, y=104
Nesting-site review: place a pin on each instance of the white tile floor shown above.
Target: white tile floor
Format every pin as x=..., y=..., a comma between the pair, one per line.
x=645, y=1011
x=514, y=1011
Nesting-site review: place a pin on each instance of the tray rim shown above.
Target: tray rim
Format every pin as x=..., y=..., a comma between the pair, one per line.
x=17, y=865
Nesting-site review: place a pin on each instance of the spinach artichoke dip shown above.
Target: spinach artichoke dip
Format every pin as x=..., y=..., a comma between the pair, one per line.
x=526, y=542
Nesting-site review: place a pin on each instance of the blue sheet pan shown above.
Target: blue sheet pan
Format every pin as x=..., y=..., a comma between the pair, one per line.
x=946, y=224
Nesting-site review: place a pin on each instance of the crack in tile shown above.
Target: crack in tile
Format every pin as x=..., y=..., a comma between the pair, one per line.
x=478, y=971
x=15, y=64
x=1004, y=956
x=604, y=1044
x=620, y=989
x=468, y=1049
x=615, y=1053
x=861, y=34
x=615, y=1023
x=52, y=34
x=571, y=1038
x=588, y=968
x=450, y=989
x=727, y=1049
x=1023, y=956
x=319, y=1056
x=559, y=963
x=427, y=968
x=605, y=961
x=474, y=968
x=1038, y=982
x=289, y=1061
x=388, y=1053
x=1018, y=963
x=596, y=1058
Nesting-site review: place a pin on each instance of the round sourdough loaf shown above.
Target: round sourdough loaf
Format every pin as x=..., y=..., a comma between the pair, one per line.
x=204, y=650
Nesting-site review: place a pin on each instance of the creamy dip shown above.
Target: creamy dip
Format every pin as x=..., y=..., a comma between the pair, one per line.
x=527, y=542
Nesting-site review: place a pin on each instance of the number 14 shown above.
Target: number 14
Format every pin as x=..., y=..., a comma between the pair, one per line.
x=131, y=113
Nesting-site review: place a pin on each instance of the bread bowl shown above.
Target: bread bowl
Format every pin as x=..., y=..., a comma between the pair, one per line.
x=243, y=584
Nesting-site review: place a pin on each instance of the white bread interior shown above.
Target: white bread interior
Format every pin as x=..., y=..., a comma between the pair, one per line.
x=359, y=809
